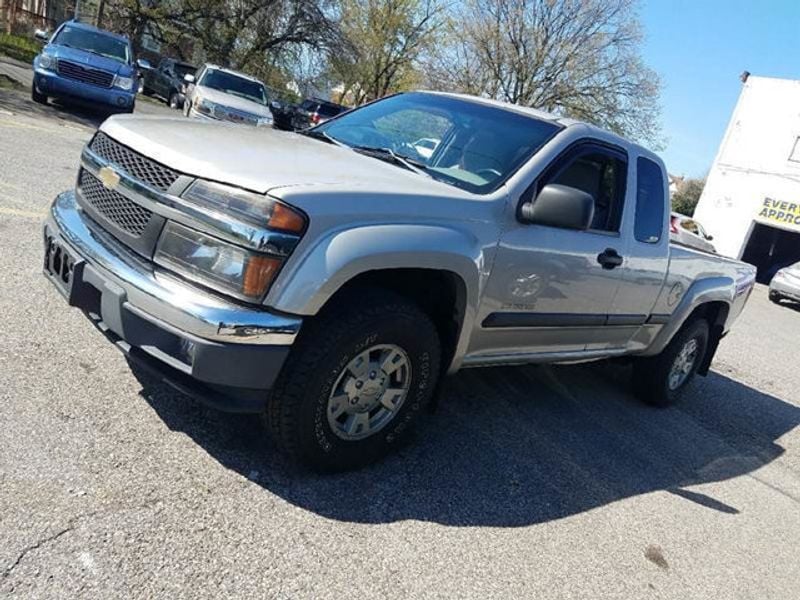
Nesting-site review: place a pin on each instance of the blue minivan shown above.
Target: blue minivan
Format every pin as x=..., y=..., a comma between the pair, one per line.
x=81, y=62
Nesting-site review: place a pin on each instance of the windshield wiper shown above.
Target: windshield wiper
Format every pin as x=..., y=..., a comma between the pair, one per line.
x=389, y=155
x=320, y=135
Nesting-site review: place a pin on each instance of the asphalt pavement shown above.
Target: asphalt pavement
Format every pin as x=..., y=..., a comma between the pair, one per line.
x=549, y=482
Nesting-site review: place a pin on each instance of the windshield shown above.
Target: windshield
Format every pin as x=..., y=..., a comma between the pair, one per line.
x=233, y=84
x=182, y=70
x=477, y=147
x=94, y=42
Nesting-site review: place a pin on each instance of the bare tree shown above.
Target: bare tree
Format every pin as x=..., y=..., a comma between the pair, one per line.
x=386, y=38
x=573, y=57
x=237, y=33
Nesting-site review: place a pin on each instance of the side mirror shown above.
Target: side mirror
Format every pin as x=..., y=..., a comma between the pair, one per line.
x=41, y=35
x=710, y=238
x=188, y=78
x=143, y=63
x=559, y=206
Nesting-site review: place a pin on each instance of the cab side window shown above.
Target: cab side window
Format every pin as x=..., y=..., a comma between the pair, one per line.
x=600, y=173
x=650, y=205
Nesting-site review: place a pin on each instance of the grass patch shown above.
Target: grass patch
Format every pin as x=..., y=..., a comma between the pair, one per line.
x=19, y=47
x=6, y=83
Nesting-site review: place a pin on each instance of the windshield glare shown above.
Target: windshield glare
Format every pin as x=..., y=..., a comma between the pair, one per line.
x=232, y=84
x=476, y=146
x=94, y=42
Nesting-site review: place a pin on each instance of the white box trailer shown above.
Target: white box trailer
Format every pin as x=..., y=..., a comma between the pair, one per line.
x=751, y=201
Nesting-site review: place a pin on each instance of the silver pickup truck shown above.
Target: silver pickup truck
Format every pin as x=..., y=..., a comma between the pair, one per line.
x=329, y=279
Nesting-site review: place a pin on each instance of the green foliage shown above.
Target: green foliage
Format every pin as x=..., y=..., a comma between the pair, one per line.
x=18, y=47
x=386, y=39
x=685, y=199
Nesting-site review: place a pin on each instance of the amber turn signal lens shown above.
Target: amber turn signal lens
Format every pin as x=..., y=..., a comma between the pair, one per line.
x=258, y=274
x=286, y=219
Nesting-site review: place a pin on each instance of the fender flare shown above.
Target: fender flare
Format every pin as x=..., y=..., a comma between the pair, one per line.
x=339, y=257
x=704, y=291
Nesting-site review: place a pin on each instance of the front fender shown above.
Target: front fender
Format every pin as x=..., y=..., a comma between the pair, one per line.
x=340, y=256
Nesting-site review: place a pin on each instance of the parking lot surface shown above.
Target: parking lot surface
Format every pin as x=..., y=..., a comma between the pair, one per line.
x=548, y=482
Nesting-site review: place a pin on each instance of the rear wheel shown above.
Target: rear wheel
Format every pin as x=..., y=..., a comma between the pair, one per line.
x=36, y=96
x=660, y=380
x=357, y=379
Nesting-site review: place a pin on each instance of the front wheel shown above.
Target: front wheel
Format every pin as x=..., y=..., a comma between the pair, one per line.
x=660, y=380
x=174, y=101
x=36, y=96
x=358, y=378
x=775, y=297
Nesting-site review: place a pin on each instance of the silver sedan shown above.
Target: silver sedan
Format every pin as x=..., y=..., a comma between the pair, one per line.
x=786, y=284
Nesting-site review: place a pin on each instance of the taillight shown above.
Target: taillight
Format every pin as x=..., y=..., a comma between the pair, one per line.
x=315, y=118
x=673, y=225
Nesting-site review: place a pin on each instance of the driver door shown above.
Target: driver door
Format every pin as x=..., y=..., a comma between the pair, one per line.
x=550, y=290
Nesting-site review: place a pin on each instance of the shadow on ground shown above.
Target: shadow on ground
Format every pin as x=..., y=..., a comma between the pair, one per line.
x=19, y=102
x=516, y=446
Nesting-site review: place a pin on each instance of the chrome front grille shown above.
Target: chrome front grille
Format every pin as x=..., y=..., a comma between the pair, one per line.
x=145, y=170
x=125, y=214
x=77, y=72
x=225, y=113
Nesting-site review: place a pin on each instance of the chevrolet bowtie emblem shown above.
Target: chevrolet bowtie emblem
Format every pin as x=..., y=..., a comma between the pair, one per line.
x=109, y=177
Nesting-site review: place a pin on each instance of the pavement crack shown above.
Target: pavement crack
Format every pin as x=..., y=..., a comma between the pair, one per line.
x=35, y=546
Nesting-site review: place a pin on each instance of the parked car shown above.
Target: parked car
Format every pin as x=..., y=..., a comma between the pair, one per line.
x=223, y=95
x=786, y=284
x=329, y=280
x=166, y=81
x=283, y=116
x=314, y=111
x=83, y=63
x=685, y=230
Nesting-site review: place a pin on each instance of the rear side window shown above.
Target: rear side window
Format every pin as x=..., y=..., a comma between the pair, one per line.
x=649, y=201
x=328, y=110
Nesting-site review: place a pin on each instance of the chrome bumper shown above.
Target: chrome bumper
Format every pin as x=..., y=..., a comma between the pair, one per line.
x=159, y=297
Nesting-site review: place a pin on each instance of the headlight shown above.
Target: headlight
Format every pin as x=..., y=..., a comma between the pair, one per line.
x=254, y=208
x=204, y=106
x=123, y=83
x=47, y=62
x=217, y=264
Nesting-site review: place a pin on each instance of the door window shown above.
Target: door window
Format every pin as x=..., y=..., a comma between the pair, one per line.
x=602, y=175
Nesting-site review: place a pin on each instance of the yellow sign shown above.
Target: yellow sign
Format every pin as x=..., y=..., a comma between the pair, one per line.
x=781, y=212
x=109, y=177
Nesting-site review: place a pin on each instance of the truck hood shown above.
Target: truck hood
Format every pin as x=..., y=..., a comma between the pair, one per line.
x=88, y=59
x=233, y=101
x=263, y=159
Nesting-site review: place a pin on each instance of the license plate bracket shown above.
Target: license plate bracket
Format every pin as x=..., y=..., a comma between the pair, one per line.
x=62, y=268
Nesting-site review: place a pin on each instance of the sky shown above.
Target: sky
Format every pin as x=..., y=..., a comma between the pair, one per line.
x=699, y=48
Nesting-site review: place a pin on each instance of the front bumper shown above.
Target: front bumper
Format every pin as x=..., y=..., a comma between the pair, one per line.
x=52, y=84
x=227, y=354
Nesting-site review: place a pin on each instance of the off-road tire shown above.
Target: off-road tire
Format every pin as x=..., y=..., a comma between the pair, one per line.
x=651, y=375
x=295, y=413
x=36, y=96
